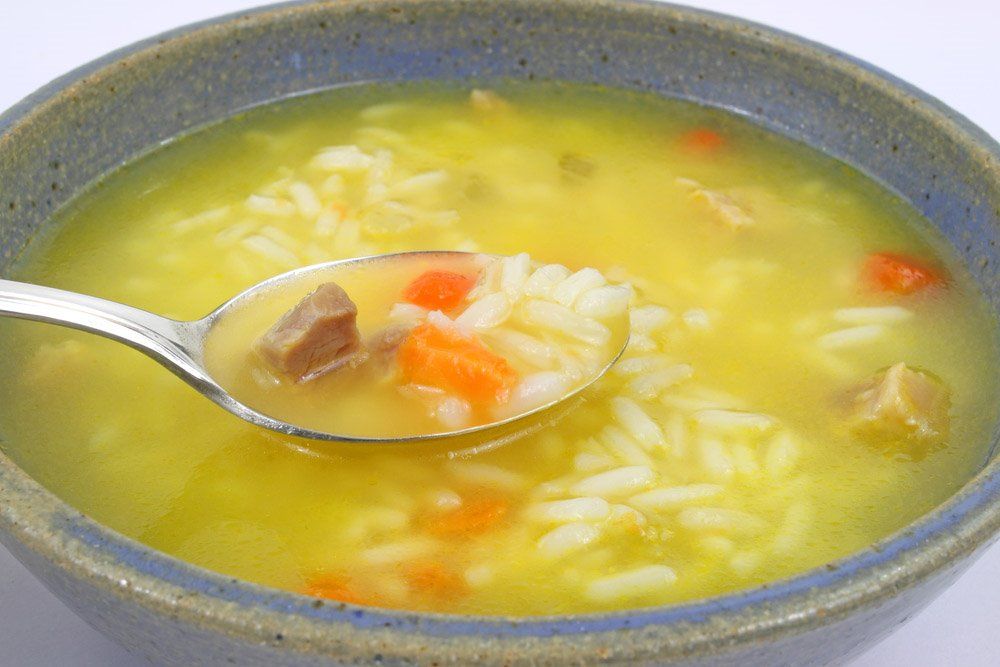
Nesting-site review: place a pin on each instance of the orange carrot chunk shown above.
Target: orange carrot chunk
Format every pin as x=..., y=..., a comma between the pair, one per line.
x=435, y=578
x=459, y=365
x=475, y=516
x=438, y=290
x=702, y=140
x=333, y=587
x=898, y=274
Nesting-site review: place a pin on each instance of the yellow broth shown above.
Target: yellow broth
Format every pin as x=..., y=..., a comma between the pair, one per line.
x=579, y=176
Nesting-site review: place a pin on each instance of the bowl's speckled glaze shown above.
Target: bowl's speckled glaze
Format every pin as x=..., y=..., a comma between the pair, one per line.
x=77, y=128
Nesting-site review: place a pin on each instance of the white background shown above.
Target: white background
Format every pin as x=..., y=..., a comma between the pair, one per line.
x=945, y=47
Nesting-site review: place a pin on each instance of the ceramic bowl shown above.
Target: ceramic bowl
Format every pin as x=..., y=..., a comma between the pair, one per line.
x=81, y=126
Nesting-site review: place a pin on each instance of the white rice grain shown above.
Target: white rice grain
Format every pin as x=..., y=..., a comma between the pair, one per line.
x=544, y=279
x=454, y=413
x=640, y=365
x=734, y=420
x=617, y=482
x=589, y=462
x=484, y=474
x=270, y=250
x=851, y=337
x=715, y=459
x=419, y=185
x=202, y=219
x=332, y=186
x=486, y=313
x=744, y=563
x=558, y=318
x=650, y=385
x=527, y=348
x=575, y=509
x=396, y=552
x=675, y=431
x=480, y=575
x=624, y=448
x=794, y=526
x=649, y=319
x=873, y=315
x=407, y=312
x=444, y=323
x=305, y=199
x=326, y=223
x=603, y=302
x=272, y=206
x=670, y=497
x=566, y=539
x=536, y=390
x=639, y=342
x=343, y=158
x=348, y=236
x=697, y=319
x=568, y=290
x=280, y=237
x=719, y=519
x=234, y=233
x=444, y=499
x=642, y=581
x=514, y=273
x=637, y=423
x=781, y=455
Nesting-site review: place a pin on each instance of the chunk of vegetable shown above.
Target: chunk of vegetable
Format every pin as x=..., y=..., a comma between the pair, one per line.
x=898, y=274
x=458, y=364
x=702, y=140
x=335, y=587
x=438, y=290
x=434, y=578
x=474, y=516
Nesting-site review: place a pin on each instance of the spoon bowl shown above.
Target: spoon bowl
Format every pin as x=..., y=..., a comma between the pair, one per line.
x=181, y=346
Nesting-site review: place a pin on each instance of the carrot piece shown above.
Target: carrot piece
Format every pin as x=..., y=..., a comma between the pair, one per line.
x=340, y=208
x=457, y=364
x=438, y=290
x=333, y=587
x=475, y=516
x=435, y=578
x=702, y=140
x=899, y=274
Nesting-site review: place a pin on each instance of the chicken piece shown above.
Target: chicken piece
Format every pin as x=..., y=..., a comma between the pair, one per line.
x=383, y=345
x=903, y=403
x=722, y=207
x=317, y=336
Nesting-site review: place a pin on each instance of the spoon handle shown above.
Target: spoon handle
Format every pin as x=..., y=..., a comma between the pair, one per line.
x=173, y=343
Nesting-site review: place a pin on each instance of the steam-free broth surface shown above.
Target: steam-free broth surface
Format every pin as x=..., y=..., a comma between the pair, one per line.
x=809, y=369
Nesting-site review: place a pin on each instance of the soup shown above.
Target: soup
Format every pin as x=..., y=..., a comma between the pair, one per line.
x=809, y=367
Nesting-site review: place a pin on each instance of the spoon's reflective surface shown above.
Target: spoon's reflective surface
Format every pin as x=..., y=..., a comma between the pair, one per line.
x=180, y=345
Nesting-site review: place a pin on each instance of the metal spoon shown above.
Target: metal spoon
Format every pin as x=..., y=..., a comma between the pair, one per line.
x=180, y=345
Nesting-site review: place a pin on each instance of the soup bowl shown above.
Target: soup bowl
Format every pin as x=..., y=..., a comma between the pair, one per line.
x=85, y=124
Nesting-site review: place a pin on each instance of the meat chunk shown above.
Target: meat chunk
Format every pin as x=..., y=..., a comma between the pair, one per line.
x=318, y=335
x=721, y=206
x=903, y=403
x=384, y=344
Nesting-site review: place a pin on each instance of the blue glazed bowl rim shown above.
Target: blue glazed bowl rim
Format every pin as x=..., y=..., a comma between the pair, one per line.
x=967, y=522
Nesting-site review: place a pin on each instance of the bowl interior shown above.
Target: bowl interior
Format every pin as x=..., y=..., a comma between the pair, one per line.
x=78, y=128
